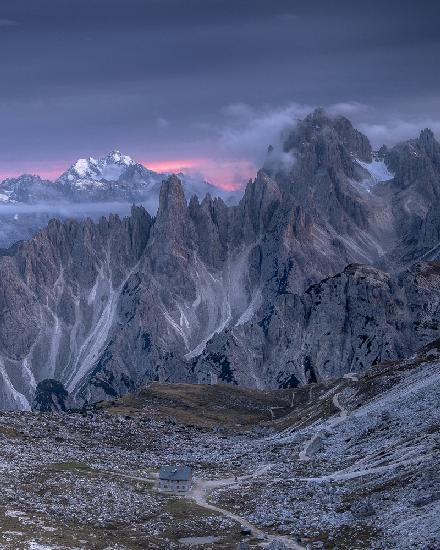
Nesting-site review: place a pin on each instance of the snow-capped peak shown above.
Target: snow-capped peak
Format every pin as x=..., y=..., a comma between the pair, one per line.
x=118, y=158
x=83, y=166
x=118, y=176
x=86, y=173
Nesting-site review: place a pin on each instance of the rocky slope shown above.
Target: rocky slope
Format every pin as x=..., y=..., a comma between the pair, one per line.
x=348, y=322
x=347, y=463
x=257, y=294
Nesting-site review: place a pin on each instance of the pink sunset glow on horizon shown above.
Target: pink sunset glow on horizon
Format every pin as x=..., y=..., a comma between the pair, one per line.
x=50, y=170
x=168, y=165
x=225, y=174
x=229, y=175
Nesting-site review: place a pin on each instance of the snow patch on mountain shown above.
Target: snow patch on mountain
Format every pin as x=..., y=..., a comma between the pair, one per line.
x=82, y=167
x=377, y=169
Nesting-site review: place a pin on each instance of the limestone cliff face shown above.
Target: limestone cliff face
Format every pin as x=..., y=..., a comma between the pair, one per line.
x=348, y=322
x=103, y=307
x=259, y=293
x=59, y=296
x=417, y=162
x=414, y=196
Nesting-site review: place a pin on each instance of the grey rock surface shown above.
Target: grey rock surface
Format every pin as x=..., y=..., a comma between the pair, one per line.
x=349, y=322
x=258, y=294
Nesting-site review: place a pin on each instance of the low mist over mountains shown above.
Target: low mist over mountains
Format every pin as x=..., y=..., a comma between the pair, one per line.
x=91, y=187
x=328, y=264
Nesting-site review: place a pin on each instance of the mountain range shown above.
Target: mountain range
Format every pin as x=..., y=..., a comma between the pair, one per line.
x=89, y=188
x=327, y=265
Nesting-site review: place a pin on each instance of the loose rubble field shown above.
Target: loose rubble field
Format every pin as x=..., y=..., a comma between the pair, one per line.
x=348, y=464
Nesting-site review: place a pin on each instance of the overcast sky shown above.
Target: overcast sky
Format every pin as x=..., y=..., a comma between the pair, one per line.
x=206, y=84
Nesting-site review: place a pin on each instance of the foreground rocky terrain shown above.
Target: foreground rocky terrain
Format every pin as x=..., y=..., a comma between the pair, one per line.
x=349, y=463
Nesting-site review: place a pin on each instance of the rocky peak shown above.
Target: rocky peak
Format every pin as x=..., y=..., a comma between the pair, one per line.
x=23, y=180
x=327, y=134
x=211, y=221
x=26, y=189
x=328, y=154
x=416, y=162
x=172, y=198
x=88, y=172
x=214, y=207
x=353, y=140
x=260, y=201
x=172, y=225
x=429, y=144
x=116, y=157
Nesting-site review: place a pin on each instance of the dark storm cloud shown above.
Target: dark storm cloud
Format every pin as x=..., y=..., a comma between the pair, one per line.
x=80, y=77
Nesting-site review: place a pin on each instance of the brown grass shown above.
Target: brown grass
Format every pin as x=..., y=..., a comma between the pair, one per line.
x=204, y=406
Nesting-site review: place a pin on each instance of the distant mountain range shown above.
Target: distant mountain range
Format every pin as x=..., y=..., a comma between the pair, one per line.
x=90, y=187
x=328, y=265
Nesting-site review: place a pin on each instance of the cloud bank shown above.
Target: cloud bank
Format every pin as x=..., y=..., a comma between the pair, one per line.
x=248, y=131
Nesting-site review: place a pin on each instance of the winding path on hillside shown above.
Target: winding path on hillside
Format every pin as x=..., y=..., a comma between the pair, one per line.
x=201, y=489
x=328, y=426
x=200, y=493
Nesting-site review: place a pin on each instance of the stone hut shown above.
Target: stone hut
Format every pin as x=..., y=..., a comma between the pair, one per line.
x=175, y=478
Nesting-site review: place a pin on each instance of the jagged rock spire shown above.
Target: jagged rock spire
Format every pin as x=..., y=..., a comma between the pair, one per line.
x=172, y=223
